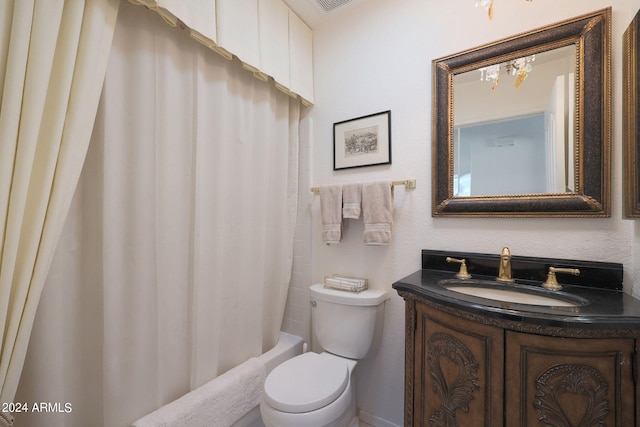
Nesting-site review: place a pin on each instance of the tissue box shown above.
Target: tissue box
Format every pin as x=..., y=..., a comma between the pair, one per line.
x=345, y=283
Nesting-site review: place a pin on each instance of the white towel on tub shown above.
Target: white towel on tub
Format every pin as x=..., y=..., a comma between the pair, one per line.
x=218, y=403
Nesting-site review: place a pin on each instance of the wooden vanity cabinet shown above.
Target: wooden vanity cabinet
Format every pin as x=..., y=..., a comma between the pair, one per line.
x=558, y=381
x=458, y=371
x=466, y=370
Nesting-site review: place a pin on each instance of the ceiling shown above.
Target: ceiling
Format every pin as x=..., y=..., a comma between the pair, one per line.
x=315, y=12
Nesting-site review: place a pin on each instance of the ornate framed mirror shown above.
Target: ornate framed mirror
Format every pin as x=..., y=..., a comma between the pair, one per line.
x=631, y=108
x=522, y=127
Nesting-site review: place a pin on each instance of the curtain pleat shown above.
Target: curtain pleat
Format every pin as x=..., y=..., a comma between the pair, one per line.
x=43, y=140
x=175, y=260
x=266, y=35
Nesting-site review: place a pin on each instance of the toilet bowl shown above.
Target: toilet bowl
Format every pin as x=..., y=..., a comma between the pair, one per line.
x=318, y=389
x=310, y=390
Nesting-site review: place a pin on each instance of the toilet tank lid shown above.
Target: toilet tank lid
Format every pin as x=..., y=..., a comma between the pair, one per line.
x=365, y=298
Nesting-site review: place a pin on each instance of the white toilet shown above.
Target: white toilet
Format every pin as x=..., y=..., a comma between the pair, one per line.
x=317, y=390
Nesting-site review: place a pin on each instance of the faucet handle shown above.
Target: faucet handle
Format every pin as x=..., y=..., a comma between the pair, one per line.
x=552, y=283
x=463, y=273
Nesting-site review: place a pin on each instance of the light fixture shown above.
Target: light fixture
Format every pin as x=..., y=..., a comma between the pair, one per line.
x=488, y=5
x=491, y=74
x=520, y=68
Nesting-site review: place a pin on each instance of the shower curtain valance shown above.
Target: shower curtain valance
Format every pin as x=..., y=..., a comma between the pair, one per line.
x=266, y=35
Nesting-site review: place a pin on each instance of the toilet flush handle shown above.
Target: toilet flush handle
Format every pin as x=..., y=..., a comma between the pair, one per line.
x=313, y=303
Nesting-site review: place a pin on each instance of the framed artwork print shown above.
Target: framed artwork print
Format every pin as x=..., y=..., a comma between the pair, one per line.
x=363, y=141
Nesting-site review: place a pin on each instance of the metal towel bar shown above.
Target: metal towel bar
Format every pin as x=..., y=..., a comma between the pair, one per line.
x=408, y=183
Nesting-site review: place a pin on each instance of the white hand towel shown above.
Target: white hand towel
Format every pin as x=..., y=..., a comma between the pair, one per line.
x=331, y=213
x=377, y=212
x=351, y=199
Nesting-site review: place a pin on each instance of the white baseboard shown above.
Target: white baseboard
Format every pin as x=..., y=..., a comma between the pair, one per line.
x=374, y=421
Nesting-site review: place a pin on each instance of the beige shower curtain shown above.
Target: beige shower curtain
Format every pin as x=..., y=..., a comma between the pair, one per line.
x=176, y=257
x=53, y=56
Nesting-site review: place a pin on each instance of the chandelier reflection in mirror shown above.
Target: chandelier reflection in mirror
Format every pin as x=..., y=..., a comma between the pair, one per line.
x=488, y=5
x=520, y=68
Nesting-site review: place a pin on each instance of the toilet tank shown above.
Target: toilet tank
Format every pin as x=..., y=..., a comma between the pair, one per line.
x=345, y=323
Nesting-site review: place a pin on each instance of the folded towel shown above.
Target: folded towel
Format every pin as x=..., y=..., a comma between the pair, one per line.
x=331, y=213
x=377, y=212
x=351, y=199
x=220, y=402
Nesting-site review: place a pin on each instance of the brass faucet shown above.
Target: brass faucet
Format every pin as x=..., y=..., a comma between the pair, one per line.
x=504, y=270
x=552, y=283
x=463, y=274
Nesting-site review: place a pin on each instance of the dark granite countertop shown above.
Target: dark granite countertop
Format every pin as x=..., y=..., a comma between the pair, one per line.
x=605, y=308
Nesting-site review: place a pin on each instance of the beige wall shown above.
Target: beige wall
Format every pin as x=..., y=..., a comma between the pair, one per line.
x=378, y=57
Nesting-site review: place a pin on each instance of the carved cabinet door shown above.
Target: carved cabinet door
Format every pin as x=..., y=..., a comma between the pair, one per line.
x=458, y=372
x=568, y=382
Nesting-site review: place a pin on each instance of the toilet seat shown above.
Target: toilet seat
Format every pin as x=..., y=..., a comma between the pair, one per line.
x=306, y=383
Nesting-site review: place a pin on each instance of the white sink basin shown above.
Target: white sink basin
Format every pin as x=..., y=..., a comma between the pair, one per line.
x=519, y=294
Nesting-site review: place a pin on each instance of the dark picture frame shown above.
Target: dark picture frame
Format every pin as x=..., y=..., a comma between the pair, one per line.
x=363, y=141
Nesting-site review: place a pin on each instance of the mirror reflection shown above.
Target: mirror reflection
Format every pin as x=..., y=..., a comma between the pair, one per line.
x=513, y=126
x=521, y=127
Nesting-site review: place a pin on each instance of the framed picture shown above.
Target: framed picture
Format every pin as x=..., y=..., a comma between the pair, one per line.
x=363, y=141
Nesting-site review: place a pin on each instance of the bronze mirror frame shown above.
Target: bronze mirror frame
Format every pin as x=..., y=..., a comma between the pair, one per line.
x=591, y=35
x=631, y=109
